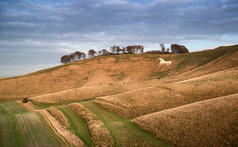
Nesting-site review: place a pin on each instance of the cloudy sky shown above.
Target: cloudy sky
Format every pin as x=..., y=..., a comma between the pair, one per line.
x=34, y=34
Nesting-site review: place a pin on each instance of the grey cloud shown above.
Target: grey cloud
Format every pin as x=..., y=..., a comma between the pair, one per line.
x=58, y=25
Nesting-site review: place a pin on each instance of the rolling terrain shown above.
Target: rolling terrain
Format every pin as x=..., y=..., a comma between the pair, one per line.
x=21, y=127
x=127, y=100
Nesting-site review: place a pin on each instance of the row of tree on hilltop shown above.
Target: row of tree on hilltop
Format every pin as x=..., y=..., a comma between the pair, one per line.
x=117, y=50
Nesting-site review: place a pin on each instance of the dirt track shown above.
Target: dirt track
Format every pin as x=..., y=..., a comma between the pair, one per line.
x=67, y=136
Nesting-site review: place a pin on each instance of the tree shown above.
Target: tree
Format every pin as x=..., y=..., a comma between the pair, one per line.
x=105, y=52
x=83, y=55
x=65, y=59
x=130, y=49
x=141, y=49
x=167, y=51
x=178, y=49
x=118, y=49
x=79, y=55
x=99, y=53
x=113, y=49
x=72, y=57
x=123, y=50
x=25, y=100
x=162, y=48
x=91, y=53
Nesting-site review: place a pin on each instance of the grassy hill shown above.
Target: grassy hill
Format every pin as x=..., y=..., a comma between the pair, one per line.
x=117, y=69
x=132, y=100
x=206, y=123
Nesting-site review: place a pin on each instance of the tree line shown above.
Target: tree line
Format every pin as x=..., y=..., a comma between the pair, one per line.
x=117, y=50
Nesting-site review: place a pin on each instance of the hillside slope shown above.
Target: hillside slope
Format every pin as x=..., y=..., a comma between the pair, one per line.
x=165, y=96
x=116, y=69
x=206, y=123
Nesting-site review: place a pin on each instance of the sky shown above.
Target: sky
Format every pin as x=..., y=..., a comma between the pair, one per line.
x=34, y=34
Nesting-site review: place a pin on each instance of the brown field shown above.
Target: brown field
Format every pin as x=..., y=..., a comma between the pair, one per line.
x=116, y=69
x=207, y=123
x=100, y=134
x=156, y=98
x=88, y=92
x=89, y=72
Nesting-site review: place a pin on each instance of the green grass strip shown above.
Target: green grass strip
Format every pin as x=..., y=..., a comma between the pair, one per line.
x=122, y=130
x=78, y=126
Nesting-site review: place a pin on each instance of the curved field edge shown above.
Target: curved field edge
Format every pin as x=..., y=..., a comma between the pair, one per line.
x=59, y=116
x=23, y=128
x=77, y=125
x=122, y=130
x=100, y=134
x=67, y=136
x=206, y=123
x=156, y=98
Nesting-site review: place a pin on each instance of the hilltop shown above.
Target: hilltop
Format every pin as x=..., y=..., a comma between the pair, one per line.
x=117, y=69
x=133, y=100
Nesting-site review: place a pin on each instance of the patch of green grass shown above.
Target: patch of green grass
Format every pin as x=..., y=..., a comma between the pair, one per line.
x=86, y=78
x=43, y=105
x=117, y=58
x=118, y=76
x=161, y=74
x=20, y=127
x=78, y=126
x=122, y=130
x=202, y=57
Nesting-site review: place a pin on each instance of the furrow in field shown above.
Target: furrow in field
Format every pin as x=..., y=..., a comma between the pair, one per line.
x=23, y=128
x=206, y=123
x=100, y=134
x=59, y=116
x=122, y=130
x=64, y=133
x=156, y=98
x=78, y=125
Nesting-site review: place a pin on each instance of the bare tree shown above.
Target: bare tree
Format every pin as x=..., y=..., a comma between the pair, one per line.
x=79, y=55
x=118, y=49
x=162, y=48
x=72, y=57
x=65, y=59
x=130, y=49
x=113, y=49
x=123, y=50
x=167, y=51
x=91, y=53
x=105, y=52
x=178, y=49
x=99, y=53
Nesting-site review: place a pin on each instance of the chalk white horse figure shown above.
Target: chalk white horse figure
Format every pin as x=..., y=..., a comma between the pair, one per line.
x=162, y=61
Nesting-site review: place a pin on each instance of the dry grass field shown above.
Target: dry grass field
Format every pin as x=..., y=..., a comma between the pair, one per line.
x=156, y=98
x=116, y=69
x=206, y=123
x=88, y=72
x=128, y=100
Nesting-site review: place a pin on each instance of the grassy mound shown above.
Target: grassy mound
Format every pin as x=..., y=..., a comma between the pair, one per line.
x=100, y=134
x=206, y=123
x=156, y=98
x=58, y=115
